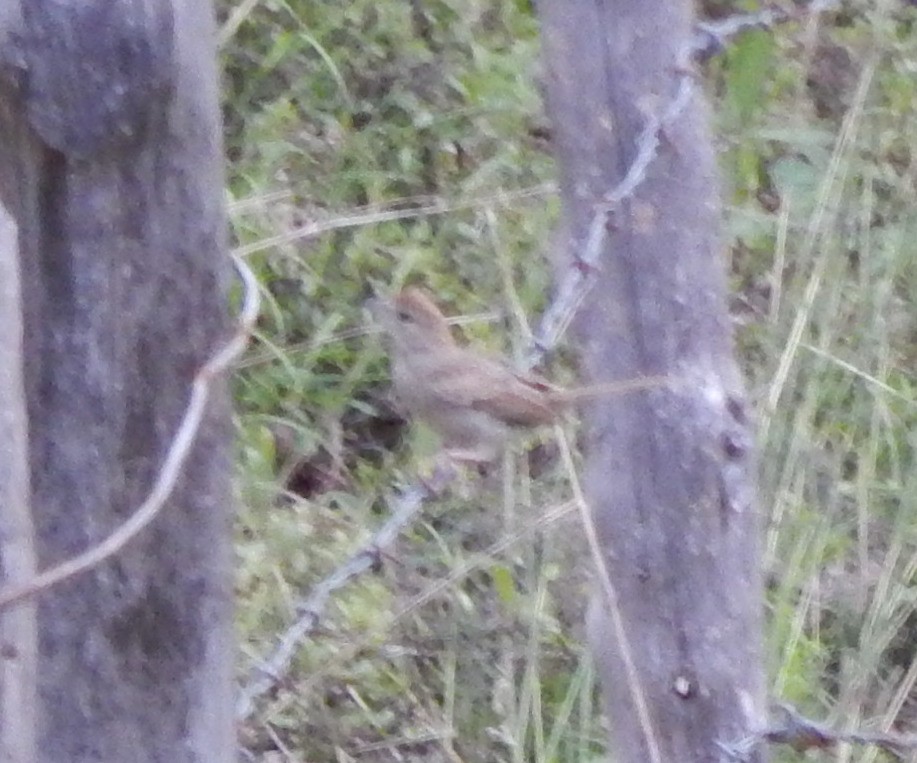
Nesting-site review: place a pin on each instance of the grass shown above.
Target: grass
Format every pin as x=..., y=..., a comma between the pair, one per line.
x=373, y=145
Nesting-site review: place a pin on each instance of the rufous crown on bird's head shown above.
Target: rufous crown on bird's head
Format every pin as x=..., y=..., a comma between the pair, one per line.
x=413, y=306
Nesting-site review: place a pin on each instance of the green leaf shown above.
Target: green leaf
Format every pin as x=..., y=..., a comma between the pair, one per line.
x=504, y=584
x=747, y=68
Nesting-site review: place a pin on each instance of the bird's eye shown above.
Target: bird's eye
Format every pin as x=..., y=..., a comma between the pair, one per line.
x=405, y=317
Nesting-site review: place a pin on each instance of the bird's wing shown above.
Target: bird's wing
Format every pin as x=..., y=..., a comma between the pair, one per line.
x=470, y=380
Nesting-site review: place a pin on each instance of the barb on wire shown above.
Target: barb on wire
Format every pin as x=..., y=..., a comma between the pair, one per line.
x=573, y=287
x=803, y=734
x=579, y=278
x=171, y=468
x=273, y=672
x=270, y=672
x=711, y=37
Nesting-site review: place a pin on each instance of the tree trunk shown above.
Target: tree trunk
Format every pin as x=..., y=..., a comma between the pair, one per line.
x=111, y=165
x=669, y=472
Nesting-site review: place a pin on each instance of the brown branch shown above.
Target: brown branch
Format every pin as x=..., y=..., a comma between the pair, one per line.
x=171, y=468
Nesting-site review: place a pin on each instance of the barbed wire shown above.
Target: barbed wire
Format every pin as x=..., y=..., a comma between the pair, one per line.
x=803, y=734
x=269, y=673
x=575, y=283
x=272, y=670
x=172, y=465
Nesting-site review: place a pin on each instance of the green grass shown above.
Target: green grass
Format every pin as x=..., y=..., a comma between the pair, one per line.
x=373, y=145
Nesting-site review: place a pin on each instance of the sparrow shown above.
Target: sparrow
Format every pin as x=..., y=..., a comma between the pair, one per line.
x=469, y=399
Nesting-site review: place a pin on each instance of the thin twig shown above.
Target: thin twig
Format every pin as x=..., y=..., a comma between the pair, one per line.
x=612, y=606
x=437, y=207
x=171, y=468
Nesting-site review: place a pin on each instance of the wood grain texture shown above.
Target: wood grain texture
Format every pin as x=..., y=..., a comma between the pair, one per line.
x=669, y=474
x=111, y=164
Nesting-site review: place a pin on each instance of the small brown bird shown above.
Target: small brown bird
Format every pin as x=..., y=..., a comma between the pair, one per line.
x=469, y=399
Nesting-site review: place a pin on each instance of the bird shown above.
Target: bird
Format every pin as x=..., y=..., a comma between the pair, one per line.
x=471, y=400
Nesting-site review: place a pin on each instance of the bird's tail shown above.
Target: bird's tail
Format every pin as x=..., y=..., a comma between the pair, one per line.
x=623, y=387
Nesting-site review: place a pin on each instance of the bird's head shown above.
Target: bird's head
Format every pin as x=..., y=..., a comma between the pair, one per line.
x=413, y=321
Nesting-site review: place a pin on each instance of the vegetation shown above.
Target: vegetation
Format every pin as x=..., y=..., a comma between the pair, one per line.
x=376, y=144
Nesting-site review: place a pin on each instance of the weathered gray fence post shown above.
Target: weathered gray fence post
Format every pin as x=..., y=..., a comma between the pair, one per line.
x=111, y=167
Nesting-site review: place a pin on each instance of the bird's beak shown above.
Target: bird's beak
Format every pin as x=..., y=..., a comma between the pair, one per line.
x=379, y=310
x=371, y=305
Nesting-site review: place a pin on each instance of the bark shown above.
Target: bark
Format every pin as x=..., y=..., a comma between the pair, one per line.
x=669, y=472
x=18, y=641
x=111, y=165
